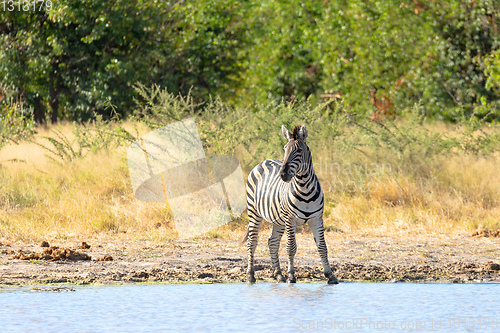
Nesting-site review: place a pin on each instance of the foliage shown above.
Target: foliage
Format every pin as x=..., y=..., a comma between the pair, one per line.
x=254, y=135
x=370, y=50
x=74, y=58
x=492, y=71
x=416, y=147
x=284, y=60
x=90, y=137
x=157, y=107
x=16, y=122
x=465, y=34
x=379, y=57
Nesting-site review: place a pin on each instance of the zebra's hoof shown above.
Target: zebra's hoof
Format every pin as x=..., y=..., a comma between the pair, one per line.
x=291, y=279
x=250, y=278
x=280, y=278
x=332, y=280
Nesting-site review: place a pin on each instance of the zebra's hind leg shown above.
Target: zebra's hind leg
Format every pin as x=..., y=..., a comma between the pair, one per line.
x=254, y=222
x=291, y=249
x=316, y=226
x=274, y=246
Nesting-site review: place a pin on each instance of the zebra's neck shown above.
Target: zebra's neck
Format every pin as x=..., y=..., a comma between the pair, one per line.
x=305, y=178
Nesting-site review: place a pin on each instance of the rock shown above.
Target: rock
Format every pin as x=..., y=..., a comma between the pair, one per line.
x=45, y=244
x=492, y=266
x=105, y=258
x=486, y=233
x=84, y=246
x=142, y=274
x=205, y=275
x=53, y=253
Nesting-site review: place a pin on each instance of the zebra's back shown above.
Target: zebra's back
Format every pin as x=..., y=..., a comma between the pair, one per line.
x=263, y=190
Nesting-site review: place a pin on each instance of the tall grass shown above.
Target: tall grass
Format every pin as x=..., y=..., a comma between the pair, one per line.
x=88, y=196
x=16, y=120
x=396, y=177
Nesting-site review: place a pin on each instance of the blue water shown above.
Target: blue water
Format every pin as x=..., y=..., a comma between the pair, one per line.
x=347, y=307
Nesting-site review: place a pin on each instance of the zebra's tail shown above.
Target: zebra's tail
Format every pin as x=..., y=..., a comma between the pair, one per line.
x=244, y=238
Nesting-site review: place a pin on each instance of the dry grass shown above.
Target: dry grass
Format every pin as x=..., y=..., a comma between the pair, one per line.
x=91, y=198
x=88, y=198
x=461, y=195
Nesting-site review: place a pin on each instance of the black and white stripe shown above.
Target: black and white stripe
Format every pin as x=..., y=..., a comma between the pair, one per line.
x=287, y=194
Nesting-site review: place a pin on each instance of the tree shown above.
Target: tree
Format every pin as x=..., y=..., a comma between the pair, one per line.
x=82, y=55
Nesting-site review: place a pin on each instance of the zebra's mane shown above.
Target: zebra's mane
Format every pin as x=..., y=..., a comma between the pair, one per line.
x=295, y=133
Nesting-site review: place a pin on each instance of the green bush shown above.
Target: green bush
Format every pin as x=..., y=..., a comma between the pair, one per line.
x=16, y=121
x=90, y=137
x=378, y=57
x=254, y=134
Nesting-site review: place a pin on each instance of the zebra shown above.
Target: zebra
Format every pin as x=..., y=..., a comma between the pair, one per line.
x=287, y=194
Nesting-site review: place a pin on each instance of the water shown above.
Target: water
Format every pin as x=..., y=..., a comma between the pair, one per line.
x=352, y=307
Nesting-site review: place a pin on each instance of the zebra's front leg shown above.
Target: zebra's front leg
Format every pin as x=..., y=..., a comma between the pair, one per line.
x=274, y=246
x=254, y=222
x=291, y=249
x=316, y=226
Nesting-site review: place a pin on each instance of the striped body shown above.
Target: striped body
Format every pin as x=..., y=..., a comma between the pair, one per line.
x=287, y=194
x=276, y=201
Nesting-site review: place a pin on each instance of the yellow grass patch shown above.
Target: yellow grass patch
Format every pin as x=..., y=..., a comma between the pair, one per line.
x=92, y=197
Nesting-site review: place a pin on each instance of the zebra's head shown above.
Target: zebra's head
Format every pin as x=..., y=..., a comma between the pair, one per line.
x=295, y=152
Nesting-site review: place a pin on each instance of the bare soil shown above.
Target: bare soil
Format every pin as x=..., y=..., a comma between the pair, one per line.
x=421, y=259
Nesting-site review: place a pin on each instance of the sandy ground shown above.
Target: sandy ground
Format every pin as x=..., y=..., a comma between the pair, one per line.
x=421, y=259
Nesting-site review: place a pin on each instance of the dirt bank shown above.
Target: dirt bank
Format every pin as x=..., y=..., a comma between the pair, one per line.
x=426, y=259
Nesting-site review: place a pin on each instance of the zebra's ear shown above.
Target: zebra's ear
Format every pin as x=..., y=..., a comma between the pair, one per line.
x=303, y=133
x=286, y=133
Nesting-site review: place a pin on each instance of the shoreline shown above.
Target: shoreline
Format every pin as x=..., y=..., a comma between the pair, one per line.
x=421, y=259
